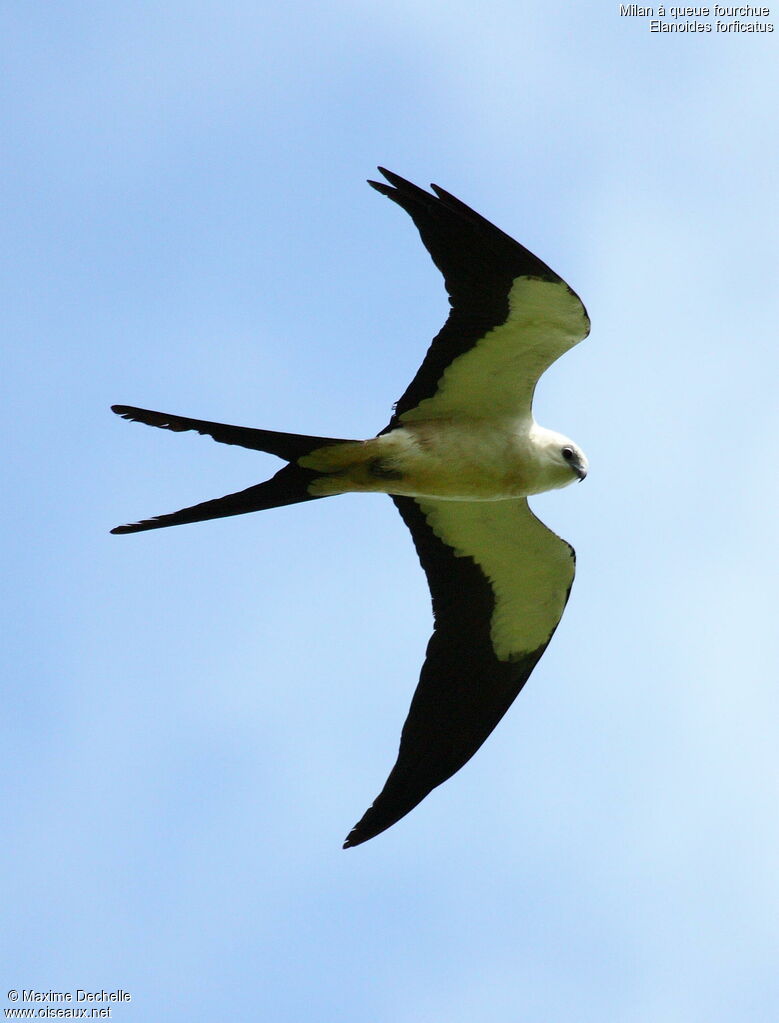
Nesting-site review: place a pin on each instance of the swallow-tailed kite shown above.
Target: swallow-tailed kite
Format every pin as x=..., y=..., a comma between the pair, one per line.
x=459, y=457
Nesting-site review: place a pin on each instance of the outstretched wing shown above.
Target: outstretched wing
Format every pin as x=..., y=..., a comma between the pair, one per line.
x=511, y=315
x=499, y=580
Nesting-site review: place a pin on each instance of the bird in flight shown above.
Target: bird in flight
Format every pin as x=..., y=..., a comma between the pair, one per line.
x=459, y=458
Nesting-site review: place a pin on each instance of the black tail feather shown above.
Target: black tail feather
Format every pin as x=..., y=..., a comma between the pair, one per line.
x=289, y=446
x=288, y=486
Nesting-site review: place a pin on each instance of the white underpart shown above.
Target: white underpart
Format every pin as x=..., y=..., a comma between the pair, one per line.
x=448, y=459
x=497, y=377
x=468, y=459
x=529, y=568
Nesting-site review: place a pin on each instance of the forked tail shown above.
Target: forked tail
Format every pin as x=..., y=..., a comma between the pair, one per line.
x=289, y=486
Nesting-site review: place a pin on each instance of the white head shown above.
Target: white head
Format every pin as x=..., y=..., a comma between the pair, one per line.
x=559, y=461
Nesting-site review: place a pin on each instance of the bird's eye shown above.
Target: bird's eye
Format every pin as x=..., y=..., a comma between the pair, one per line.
x=567, y=454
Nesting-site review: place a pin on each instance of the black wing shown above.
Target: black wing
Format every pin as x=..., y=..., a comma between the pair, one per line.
x=481, y=266
x=499, y=581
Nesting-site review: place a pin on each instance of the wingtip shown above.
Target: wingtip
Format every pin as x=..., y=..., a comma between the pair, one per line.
x=139, y=527
x=403, y=185
x=132, y=527
x=126, y=411
x=376, y=819
x=362, y=830
x=354, y=837
x=353, y=840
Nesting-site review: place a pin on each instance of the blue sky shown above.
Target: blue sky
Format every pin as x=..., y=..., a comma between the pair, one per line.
x=194, y=718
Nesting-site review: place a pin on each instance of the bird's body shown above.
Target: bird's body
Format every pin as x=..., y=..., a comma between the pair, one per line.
x=449, y=459
x=459, y=457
